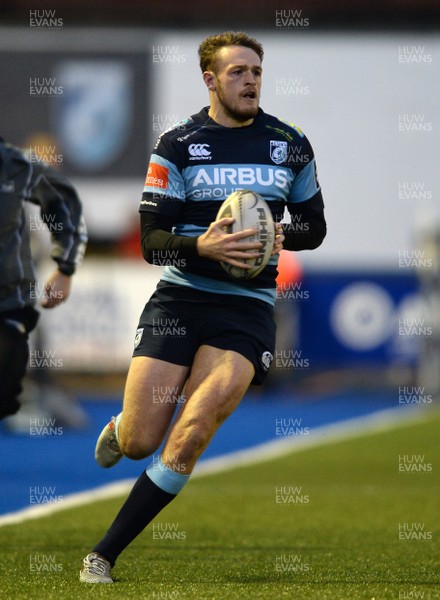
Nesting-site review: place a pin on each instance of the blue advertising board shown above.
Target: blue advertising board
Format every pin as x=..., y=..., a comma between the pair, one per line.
x=348, y=319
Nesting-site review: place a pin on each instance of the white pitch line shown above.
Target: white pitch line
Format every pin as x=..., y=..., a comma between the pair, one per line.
x=376, y=422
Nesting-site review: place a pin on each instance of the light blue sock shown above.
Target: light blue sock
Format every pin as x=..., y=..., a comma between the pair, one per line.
x=165, y=478
x=118, y=420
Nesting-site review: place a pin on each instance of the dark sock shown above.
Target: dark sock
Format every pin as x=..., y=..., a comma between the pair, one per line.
x=145, y=501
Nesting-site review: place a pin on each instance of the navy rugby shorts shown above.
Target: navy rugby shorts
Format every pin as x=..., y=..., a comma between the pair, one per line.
x=177, y=320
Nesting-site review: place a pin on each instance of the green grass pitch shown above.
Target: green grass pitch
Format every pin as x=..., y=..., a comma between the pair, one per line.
x=336, y=522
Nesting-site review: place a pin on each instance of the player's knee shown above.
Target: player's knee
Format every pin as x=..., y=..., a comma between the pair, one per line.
x=137, y=449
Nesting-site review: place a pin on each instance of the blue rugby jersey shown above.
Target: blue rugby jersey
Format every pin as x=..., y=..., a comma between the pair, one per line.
x=198, y=163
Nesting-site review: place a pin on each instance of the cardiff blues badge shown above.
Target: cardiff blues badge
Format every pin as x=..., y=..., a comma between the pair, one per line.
x=138, y=337
x=266, y=360
x=278, y=151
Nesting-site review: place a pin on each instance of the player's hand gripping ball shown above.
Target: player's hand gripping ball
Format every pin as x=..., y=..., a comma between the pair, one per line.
x=250, y=211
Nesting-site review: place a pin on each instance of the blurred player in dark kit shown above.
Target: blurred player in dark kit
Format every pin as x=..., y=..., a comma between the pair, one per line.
x=25, y=179
x=225, y=333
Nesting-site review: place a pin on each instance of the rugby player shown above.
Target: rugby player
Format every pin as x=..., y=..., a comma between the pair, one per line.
x=202, y=332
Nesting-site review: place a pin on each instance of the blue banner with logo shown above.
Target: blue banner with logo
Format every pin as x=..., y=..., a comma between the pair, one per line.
x=360, y=319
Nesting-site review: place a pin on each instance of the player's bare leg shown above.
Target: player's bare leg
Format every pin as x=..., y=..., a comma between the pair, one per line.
x=145, y=418
x=217, y=382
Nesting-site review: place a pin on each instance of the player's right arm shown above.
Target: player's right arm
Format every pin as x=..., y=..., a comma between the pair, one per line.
x=217, y=245
x=162, y=202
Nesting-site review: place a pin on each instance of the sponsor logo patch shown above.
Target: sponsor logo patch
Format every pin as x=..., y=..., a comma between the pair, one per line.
x=265, y=175
x=157, y=176
x=199, y=152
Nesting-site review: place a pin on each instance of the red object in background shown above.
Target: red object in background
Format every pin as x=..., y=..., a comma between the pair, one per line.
x=289, y=269
x=129, y=244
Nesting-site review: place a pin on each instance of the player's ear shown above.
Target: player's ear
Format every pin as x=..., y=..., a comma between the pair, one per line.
x=210, y=80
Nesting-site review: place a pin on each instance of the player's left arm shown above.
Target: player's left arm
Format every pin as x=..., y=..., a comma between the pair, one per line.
x=307, y=227
x=279, y=239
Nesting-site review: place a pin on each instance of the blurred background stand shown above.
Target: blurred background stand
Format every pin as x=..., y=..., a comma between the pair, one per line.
x=429, y=365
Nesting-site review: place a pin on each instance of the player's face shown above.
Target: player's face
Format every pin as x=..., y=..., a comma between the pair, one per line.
x=237, y=85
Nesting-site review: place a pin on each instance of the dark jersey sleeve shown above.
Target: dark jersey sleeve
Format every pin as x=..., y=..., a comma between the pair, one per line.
x=307, y=226
x=164, y=190
x=159, y=245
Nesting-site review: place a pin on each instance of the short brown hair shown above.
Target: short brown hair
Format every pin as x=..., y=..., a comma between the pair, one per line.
x=209, y=48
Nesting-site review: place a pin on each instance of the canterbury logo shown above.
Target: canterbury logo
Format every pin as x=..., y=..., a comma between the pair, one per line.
x=199, y=151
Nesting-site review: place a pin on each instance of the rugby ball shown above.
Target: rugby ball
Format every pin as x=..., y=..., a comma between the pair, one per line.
x=250, y=211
